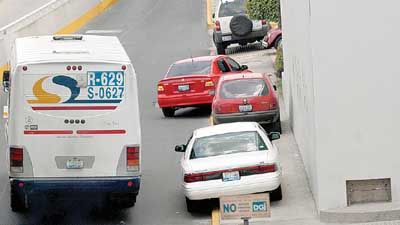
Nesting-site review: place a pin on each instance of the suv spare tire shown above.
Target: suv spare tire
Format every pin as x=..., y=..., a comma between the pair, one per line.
x=241, y=25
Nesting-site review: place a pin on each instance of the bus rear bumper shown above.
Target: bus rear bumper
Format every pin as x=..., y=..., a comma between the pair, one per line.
x=125, y=185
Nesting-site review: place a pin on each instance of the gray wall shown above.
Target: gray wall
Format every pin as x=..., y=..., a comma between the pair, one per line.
x=298, y=82
x=341, y=85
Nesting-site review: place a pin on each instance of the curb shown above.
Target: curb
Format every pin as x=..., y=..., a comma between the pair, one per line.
x=210, y=23
x=9, y=30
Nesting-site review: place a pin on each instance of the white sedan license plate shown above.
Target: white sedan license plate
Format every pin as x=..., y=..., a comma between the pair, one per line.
x=230, y=176
x=245, y=108
x=226, y=38
x=183, y=87
x=74, y=164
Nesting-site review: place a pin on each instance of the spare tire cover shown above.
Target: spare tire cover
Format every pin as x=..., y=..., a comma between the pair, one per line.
x=241, y=25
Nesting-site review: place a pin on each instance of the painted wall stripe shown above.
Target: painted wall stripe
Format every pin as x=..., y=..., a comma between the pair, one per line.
x=101, y=132
x=50, y=108
x=47, y=132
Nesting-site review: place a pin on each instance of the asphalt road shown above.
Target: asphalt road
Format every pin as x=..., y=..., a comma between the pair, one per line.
x=155, y=33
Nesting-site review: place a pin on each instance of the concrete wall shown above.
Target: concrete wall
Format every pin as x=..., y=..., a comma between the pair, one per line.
x=341, y=66
x=48, y=19
x=298, y=82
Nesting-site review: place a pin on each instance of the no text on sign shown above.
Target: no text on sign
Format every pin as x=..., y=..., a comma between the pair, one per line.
x=245, y=206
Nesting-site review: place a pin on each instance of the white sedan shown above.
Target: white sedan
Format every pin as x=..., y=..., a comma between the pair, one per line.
x=230, y=159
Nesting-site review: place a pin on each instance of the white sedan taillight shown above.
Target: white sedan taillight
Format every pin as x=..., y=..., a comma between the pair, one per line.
x=16, y=160
x=132, y=159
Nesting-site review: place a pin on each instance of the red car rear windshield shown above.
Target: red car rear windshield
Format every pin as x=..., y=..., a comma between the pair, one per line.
x=190, y=68
x=243, y=88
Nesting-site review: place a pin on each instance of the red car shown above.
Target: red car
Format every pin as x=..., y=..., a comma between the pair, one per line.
x=246, y=97
x=191, y=82
x=273, y=38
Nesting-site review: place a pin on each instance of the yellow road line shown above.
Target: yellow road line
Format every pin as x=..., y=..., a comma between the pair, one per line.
x=2, y=68
x=85, y=18
x=210, y=23
x=78, y=23
x=215, y=217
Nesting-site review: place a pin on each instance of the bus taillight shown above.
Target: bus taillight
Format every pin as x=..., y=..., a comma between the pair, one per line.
x=132, y=158
x=16, y=160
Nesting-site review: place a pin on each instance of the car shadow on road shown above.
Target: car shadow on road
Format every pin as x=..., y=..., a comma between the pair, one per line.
x=242, y=49
x=73, y=212
x=193, y=112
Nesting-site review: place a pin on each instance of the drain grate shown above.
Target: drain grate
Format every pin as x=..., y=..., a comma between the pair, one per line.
x=365, y=191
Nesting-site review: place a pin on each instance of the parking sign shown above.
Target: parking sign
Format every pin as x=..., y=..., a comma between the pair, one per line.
x=245, y=206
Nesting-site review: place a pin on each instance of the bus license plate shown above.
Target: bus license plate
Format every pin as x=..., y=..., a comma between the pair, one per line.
x=183, y=87
x=245, y=108
x=230, y=176
x=74, y=164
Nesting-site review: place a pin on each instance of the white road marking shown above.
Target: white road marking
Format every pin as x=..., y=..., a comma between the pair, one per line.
x=103, y=31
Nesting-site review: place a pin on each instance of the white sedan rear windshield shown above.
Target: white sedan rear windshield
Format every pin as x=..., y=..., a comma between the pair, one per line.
x=243, y=88
x=229, y=143
x=190, y=68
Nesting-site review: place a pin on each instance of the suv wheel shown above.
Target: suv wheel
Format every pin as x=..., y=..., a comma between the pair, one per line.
x=220, y=48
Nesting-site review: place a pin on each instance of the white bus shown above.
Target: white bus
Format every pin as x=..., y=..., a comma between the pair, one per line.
x=73, y=122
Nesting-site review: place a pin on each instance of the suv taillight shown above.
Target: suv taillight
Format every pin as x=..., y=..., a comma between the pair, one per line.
x=16, y=160
x=132, y=159
x=217, y=25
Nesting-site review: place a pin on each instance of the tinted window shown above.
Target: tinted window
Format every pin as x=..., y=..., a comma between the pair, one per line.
x=243, y=88
x=234, y=65
x=232, y=8
x=188, y=68
x=229, y=143
x=223, y=66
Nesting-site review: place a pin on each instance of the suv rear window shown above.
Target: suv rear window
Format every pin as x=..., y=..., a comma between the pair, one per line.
x=232, y=8
x=188, y=68
x=228, y=143
x=243, y=88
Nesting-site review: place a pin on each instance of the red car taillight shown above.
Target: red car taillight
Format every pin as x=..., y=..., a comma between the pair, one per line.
x=160, y=88
x=217, y=25
x=273, y=105
x=209, y=85
x=132, y=159
x=16, y=160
